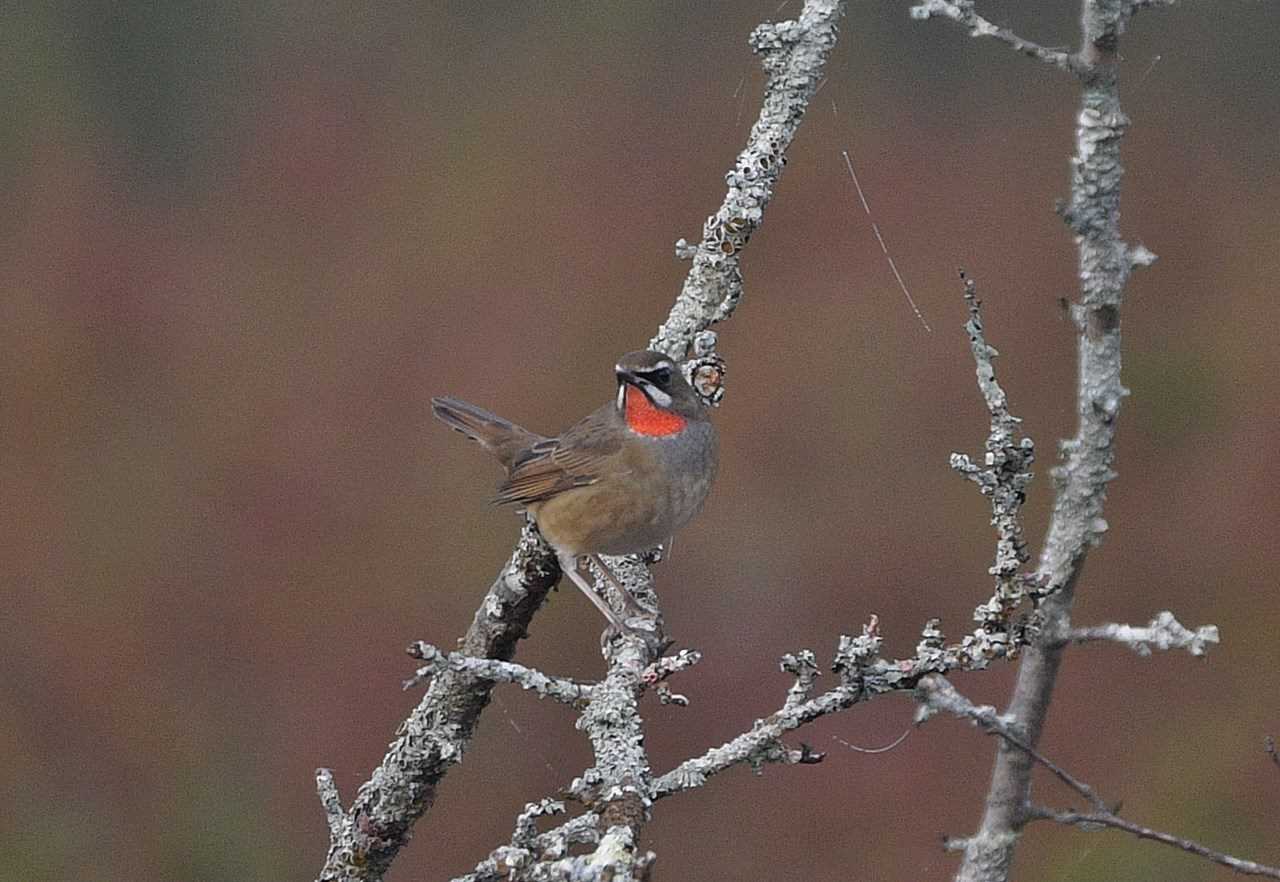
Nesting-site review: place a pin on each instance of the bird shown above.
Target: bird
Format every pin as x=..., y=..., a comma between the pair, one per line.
x=621, y=481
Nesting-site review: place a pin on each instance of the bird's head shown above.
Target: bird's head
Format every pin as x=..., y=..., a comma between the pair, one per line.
x=653, y=396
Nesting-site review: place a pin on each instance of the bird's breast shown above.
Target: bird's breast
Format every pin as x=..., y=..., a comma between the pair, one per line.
x=653, y=488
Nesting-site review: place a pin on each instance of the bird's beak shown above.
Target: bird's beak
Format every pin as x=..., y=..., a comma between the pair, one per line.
x=652, y=392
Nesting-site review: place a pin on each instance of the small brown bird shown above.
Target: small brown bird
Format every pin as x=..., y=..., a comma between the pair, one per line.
x=619, y=482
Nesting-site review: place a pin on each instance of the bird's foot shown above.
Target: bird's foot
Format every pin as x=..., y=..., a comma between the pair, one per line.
x=643, y=627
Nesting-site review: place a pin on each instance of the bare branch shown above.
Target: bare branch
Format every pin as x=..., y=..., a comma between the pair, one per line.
x=805, y=666
x=1164, y=632
x=658, y=672
x=864, y=674
x=936, y=693
x=671, y=664
x=962, y=12
x=619, y=786
x=1092, y=821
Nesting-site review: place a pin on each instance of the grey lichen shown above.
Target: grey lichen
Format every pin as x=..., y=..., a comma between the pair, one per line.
x=1164, y=632
x=561, y=689
x=793, y=54
x=1003, y=476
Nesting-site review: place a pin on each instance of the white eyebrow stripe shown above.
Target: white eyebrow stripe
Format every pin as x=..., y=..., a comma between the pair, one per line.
x=657, y=396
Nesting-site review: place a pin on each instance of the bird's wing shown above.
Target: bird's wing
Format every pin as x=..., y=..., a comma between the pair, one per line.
x=555, y=465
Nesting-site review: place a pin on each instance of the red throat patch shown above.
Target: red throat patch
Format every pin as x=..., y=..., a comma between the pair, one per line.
x=644, y=418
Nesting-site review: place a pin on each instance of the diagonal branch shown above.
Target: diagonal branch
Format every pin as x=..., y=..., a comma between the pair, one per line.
x=366, y=838
x=936, y=694
x=619, y=787
x=793, y=54
x=1088, y=821
x=962, y=12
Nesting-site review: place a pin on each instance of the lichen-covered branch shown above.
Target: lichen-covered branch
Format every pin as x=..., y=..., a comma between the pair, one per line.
x=619, y=786
x=1077, y=523
x=533, y=855
x=332, y=802
x=1004, y=474
x=366, y=838
x=1002, y=478
x=794, y=54
x=863, y=675
x=569, y=692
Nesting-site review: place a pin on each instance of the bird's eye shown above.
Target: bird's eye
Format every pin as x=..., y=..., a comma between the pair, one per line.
x=662, y=376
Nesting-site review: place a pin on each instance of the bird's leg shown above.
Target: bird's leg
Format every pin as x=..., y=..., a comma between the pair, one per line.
x=633, y=606
x=569, y=565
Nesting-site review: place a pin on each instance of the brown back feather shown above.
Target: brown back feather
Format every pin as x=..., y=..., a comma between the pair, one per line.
x=555, y=465
x=502, y=438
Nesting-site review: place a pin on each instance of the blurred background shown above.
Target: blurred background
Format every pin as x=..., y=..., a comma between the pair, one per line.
x=246, y=242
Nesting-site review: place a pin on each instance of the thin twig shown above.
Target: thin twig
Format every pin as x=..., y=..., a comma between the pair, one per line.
x=1164, y=632
x=937, y=694
x=875, y=228
x=561, y=689
x=962, y=12
x=1005, y=472
x=1107, y=819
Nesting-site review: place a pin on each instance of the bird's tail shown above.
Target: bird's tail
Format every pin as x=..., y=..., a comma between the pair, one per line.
x=501, y=438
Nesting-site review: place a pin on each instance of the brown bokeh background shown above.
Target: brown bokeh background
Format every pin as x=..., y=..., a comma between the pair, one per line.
x=246, y=242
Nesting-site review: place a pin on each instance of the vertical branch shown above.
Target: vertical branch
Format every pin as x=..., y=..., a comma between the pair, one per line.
x=620, y=785
x=1077, y=524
